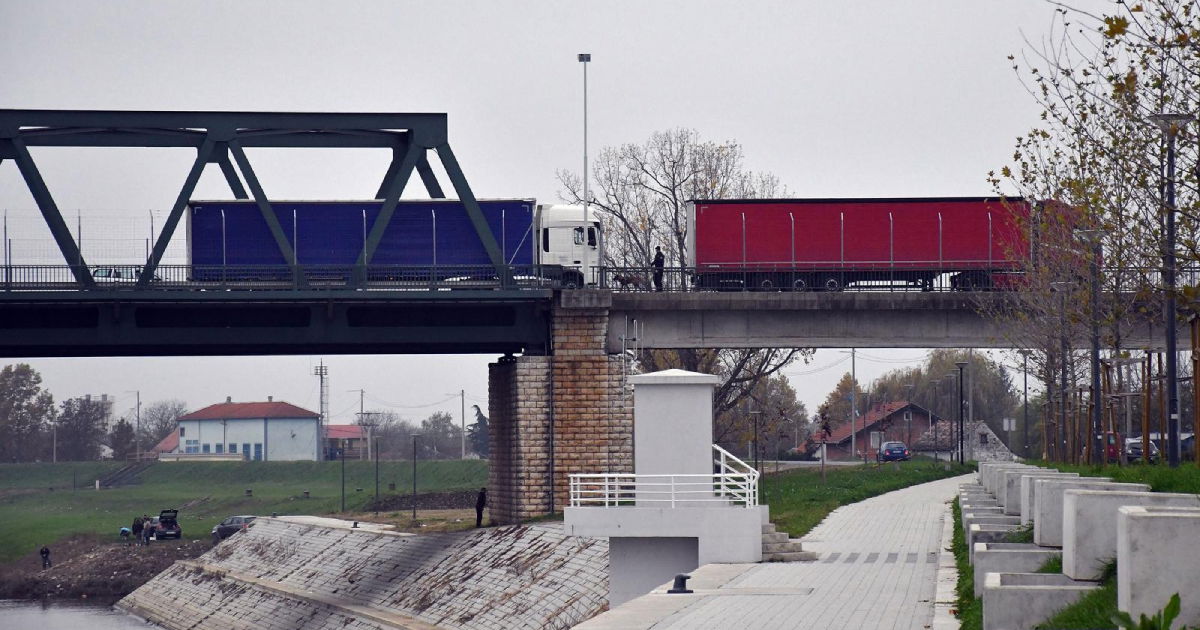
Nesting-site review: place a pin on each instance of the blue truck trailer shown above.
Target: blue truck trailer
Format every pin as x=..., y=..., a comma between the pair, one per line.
x=421, y=233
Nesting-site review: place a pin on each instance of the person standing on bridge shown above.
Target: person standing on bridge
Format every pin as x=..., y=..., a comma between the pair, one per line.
x=659, y=262
x=480, y=503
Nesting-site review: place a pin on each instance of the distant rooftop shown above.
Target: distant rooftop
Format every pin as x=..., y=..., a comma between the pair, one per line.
x=234, y=411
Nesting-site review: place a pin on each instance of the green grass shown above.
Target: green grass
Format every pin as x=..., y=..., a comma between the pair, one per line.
x=62, y=475
x=969, y=608
x=205, y=493
x=1022, y=534
x=1093, y=610
x=1160, y=477
x=799, y=501
x=1053, y=565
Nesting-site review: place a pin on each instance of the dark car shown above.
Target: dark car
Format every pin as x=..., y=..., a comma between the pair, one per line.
x=230, y=526
x=1133, y=451
x=893, y=452
x=166, y=525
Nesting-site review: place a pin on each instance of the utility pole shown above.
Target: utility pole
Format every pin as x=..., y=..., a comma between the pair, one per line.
x=321, y=371
x=137, y=433
x=462, y=394
x=853, y=402
x=414, y=476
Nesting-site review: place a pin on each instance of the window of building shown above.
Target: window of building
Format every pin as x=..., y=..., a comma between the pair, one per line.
x=258, y=452
x=233, y=447
x=181, y=432
x=220, y=448
x=245, y=449
x=983, y=439
x=206, y=448
x=191, y=446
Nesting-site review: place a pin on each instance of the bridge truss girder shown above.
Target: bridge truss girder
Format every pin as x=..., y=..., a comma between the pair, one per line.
x=221, y=138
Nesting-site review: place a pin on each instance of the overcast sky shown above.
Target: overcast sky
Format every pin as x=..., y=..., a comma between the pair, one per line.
x=839, y=99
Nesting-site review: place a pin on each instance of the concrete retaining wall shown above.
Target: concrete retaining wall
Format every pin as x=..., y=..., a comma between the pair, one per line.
x=323, y=577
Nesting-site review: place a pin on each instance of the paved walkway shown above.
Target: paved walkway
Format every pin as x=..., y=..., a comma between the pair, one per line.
x=877, y=569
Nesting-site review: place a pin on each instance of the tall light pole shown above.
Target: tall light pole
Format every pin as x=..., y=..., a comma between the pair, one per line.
x=462, y=394
x=137, y=432
x=1061, y=288
x=414, y=476
x=936, y=442
x=1097, y=426
x=961, y=365
x=1025, y=403
x=1170, y=125
x=585, y=58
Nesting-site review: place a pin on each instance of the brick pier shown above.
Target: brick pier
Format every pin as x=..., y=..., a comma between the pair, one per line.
x=554, y=415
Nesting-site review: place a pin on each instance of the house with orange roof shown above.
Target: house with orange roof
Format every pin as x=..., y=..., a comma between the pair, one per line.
x=898, y=421
x=258, y=431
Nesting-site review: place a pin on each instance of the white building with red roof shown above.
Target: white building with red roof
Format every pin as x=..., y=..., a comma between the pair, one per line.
x=265, y=431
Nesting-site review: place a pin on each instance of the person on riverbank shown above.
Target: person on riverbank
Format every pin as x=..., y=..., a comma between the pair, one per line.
x=147, y=530
x=136, y=528
x=45, y=552
x=480, y=503
x=124, y=532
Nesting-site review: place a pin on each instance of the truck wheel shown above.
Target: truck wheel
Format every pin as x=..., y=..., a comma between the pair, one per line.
x=832, y=283
x=766, y=285
x=799, y=284
x=572, y=281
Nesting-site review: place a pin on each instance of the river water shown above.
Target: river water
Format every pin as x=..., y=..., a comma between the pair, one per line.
x=22, y=615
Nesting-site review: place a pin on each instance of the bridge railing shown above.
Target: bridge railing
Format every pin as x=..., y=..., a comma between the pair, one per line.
x=934, y=276
x=124, y=277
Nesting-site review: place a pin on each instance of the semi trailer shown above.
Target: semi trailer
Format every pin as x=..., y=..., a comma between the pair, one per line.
x=977, y=243
x=428, y=239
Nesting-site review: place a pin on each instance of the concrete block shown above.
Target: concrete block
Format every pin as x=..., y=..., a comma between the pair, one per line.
x=987, y=475
x=1027, y=496
x=985, y=534
x=1012, y=486
x=988, y=519
x=1048, y=504
x=979, y=503
x=1002, y=476
x=1090, y=525
x=1157, y=556
x=1008, y=558
x=995, y=476
x=1019, y=601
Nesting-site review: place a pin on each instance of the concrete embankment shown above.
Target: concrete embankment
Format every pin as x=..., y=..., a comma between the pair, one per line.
x=285, y=575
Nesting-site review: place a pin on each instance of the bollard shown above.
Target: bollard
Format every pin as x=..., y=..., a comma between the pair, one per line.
x=680, y=585
x=249, y=492
x=306, y=494
x=97, y=484
x=274, y=514
x=355, y=525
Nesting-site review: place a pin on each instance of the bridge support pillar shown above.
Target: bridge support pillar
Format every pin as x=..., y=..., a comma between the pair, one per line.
x=551, y=416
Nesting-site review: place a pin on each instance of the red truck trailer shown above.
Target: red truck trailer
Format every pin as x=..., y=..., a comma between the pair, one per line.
x=830, y=244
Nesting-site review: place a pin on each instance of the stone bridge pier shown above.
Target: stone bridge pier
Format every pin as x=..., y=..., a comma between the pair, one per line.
x=566, y=411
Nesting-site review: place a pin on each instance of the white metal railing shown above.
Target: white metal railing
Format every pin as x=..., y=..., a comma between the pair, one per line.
x=735, y=484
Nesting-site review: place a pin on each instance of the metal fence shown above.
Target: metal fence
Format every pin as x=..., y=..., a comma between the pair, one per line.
x=14, y=278
x=734, y=484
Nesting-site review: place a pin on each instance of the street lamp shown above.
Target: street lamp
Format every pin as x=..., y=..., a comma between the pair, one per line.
x=1093, y=237
x=585, y=59
x=1170, y=125
x=1025, y=404
x=462, y=394
x=950, y=447
x=414, y=476
x=961, y=365
x=1061, y=287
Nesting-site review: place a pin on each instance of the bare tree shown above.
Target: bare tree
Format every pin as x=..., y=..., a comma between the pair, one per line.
x=159, y=418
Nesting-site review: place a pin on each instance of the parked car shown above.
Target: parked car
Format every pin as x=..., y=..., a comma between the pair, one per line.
x=122, y=274
x=893, y=452
x=166, y=525
x=230, y=526
x=1133, y=451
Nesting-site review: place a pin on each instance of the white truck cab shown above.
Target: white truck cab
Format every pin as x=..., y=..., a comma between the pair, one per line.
x=566, y=239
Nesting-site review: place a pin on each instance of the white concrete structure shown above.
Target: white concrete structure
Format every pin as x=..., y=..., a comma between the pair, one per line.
x=985, y=534
x=1090, y=525
x=1018, y=601
x=1157, y=556
x=1048, y=504
x=1011, y=486
x=1028, y=487
x=267, y=431
x=988, y=473
x=672, y=515
x=1007, y=558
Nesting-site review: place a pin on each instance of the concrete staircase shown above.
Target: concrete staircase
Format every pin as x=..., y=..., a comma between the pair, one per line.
x=778, y=547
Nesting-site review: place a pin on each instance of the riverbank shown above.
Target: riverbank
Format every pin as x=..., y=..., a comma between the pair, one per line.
x=87, y=568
